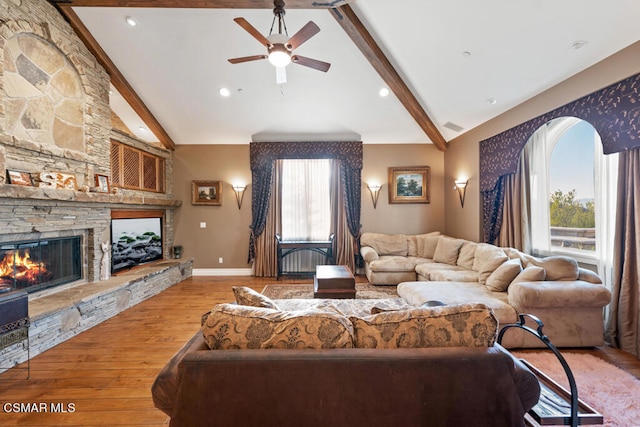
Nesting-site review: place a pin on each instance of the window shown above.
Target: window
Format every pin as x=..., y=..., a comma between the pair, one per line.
x=571, y=192
x=572, y=214
x=306, y=204
x=136, y=169
x=305, y=208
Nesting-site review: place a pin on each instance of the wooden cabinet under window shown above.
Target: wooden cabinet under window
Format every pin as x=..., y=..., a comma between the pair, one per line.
x=135, y=169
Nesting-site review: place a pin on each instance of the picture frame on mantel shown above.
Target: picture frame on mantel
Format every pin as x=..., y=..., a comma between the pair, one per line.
x=19, y=178
x=102, y=183
x=206, y=193
x=409, y=184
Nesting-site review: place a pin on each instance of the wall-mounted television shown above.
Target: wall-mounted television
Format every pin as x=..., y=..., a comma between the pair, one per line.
x=135, y=241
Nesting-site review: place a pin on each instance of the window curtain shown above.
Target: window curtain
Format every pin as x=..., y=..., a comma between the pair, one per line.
x=266, y=262
x=623, y=326
x=263, y=156
x=536, y=157
x=345, y=241
x=511, y=233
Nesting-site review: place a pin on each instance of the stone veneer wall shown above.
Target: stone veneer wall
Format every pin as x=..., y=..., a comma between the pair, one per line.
x=55, y=117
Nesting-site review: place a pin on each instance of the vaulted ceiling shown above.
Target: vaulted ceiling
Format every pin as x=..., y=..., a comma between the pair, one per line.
x=450, y=66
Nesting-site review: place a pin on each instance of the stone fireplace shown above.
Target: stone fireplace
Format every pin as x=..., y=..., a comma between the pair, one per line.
x=55, y=119
x=34, y=265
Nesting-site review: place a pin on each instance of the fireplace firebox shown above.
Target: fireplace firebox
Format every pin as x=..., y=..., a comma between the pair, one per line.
x=40, y=264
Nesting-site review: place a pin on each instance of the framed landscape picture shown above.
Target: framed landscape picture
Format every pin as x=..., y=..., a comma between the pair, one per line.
x=409, y=184
x=206, y=193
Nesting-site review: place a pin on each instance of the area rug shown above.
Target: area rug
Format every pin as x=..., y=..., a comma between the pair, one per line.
x=290, y=291
x=606, y=388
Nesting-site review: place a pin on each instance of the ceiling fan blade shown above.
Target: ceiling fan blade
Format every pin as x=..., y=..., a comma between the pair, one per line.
x=246, y=59
x=281, y=75
x=304, y=34
x=311, y=63
x=251, y=30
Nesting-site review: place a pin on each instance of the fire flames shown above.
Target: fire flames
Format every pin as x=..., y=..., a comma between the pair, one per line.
x=19, y=266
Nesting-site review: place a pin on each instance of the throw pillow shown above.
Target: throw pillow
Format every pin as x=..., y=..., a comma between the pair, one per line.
x=558, y=267
x=589, y=276
x=487, y=259
x=467, y=254
x=462, y=325
x=412, y=242
x=427, y=245
x=231, y=326
x=530, y=274
x=447, y=250
x=247, y=296
x=501, y=278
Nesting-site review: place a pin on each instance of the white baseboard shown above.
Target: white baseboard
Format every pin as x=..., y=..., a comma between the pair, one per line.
x=222, y=272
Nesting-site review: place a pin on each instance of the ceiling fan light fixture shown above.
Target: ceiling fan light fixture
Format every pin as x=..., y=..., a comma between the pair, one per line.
x=279, y=56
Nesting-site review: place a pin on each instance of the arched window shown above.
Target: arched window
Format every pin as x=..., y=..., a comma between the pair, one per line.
x=571, y=197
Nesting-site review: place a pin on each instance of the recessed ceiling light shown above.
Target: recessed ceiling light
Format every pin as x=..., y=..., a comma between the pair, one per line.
x=224, y=92
x=131, y=21
x=492, y=101
x=578, y=44
x=384, y=92
x=466, y=54
x=142, y=128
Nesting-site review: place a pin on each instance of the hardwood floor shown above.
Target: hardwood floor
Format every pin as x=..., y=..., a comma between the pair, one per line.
x=103, y=376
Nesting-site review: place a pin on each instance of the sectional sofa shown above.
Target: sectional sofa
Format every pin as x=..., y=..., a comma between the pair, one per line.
x=567, y=298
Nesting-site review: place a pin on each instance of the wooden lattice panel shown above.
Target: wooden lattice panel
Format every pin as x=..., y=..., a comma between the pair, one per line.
x=150, y=173
x=115, y=165
x=135, y=169
x=130, y=167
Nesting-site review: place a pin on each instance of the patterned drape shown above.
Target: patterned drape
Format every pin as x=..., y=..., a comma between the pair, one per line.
x=613, y=111
x=263, y=156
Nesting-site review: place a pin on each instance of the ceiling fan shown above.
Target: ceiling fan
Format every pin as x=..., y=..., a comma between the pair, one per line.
x=280, y=46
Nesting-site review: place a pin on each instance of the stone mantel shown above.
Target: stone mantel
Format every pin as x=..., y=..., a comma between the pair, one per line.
x=9, y=191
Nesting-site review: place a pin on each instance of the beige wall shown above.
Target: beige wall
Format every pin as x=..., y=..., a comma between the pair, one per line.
x=401, y=218
x=227, y=232
x=462, y=156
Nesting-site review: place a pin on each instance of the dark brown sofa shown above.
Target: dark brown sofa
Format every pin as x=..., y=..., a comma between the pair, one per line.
x=344, y=387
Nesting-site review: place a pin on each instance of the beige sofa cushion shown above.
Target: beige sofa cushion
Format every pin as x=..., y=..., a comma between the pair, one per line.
x=558, y=267
x=530, y=274
x=385, y=244
x=486, y=260
x=393, y=263
x=230, y=326
x=462, y=325
x=247, y=296
x=558, y=294
x=467, y=255
x=447, y=250
x=412, y=242
x=454, y=276
x=588, y=276
x=427, y=245
x=425, y=269
x=501, y=278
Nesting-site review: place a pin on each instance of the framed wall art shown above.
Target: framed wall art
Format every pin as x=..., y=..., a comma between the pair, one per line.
x=102, y=183
x=206, y=193
x=409, y=184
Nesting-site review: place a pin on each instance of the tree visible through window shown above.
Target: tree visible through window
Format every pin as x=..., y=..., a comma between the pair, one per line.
x=571, y=177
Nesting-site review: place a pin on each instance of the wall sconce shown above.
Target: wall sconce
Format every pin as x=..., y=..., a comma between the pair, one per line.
x=374, y=189
x=461, y=186
x=239, y=190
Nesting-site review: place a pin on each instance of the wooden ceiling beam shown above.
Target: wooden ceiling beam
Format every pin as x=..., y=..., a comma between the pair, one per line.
x=117, y=79
x=202, y=4
x=356, y=30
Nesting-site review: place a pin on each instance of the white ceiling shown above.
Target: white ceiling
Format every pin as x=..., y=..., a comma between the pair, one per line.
x=176, y=61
